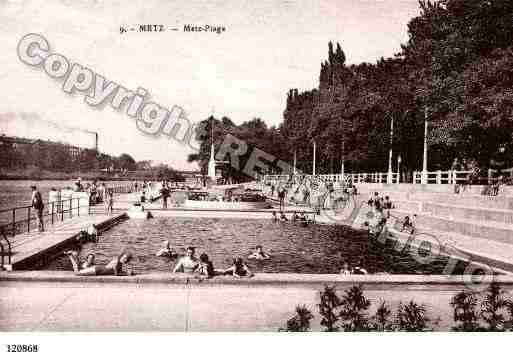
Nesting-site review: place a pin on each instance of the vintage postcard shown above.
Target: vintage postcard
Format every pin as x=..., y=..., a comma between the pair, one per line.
x=256, y=166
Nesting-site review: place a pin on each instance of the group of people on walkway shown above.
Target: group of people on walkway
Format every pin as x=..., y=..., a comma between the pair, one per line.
x=384, y=205
x=381, y=204
x=97, y=194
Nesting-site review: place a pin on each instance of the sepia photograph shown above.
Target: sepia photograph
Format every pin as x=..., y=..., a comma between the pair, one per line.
x=269, y=166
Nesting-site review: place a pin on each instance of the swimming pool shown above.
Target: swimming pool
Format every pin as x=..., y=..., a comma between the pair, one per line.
x=294, y=249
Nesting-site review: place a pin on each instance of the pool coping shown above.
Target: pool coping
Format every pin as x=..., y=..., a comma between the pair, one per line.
x=257, y=279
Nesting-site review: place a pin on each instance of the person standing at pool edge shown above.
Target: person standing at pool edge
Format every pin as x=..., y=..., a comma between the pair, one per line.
x=282, y=192
x=37, y=203
x=165, y=193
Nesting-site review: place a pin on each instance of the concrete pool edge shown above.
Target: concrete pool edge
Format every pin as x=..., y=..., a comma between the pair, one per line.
x=258, y=279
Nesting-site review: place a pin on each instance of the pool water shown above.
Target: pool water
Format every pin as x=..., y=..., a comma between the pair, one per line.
x=294, y=249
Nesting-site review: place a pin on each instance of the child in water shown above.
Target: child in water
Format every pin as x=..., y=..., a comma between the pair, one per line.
x=359, y=269
x=345, y=269
x=167, y=251
x=205, y=267
x=259, y=254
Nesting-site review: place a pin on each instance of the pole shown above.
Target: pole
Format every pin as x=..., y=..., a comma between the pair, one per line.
x=399, y=159
x=295, y=163
x=342, y=168
x=314, y=149
x=389, y=176
x=424, y=176
x=13, y=222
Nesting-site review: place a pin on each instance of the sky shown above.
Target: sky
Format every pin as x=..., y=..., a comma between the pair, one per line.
x=244, y=72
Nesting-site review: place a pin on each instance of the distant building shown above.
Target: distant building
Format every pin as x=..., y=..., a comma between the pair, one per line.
x=15, y=149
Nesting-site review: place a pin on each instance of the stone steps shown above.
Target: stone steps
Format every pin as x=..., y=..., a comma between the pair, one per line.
x=497, y=231
x=466, y=200
x=476, y=250
x=476, y=201
x=468, y=213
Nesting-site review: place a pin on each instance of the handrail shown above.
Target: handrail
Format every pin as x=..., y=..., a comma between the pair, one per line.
x=55, y=210
x=115, y=189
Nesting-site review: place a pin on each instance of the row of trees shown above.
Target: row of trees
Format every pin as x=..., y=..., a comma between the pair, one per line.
x=58, y=157
x=492, y=311
x=456, y=69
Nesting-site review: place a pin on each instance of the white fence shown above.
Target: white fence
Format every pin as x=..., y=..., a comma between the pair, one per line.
x=435, y=177
x=377, y=177
x=453, y=177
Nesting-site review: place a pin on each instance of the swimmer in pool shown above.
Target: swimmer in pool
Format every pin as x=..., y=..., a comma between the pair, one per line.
x=238, y=269
x=359, y=269
x=166, y=251
x=345, y=269
x=259, y=254
x=303, y=221
x=188, y=263
x=205, y=267
x=114, y=267
x=89, y=261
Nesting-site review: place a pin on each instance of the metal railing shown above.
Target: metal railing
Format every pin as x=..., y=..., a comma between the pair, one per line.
x=128, y=188
x=23, y=217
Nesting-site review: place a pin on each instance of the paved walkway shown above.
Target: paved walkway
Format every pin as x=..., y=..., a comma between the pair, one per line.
x=145, y=306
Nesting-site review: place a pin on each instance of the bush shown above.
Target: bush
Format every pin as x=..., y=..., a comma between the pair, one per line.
x=353, y=310
x=494, y=308
x=299, y=322
x=327, y=308
x=412, y=317
x=382, y=320
x=465, y=315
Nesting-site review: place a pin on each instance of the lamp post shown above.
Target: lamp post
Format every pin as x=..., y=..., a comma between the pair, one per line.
x=313, y=164
x=399, y=160
x=390, y=174
x=424, y=176
x=342, y=168
x=295, y=163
